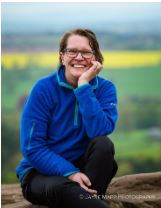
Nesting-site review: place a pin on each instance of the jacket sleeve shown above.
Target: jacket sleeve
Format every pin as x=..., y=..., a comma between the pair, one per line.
x=34, y=127
x=99, y=114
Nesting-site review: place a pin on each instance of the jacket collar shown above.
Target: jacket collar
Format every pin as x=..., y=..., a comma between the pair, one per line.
x=62, y=80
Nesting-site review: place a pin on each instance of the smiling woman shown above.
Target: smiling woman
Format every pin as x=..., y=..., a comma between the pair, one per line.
x=64, y=125
x=75, y=63
x=80, y=69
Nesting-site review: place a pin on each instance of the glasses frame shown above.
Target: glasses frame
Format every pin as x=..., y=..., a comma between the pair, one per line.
x=77, y=52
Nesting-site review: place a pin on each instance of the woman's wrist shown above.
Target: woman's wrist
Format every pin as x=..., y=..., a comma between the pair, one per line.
x=82, y=82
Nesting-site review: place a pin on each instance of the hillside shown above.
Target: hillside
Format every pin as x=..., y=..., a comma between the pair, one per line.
x=108, y=40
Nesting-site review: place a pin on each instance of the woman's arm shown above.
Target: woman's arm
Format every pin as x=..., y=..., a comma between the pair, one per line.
x=34, y=125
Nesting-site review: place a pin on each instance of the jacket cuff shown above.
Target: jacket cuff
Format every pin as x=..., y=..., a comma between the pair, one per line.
x=81, y=87
x=70, y=173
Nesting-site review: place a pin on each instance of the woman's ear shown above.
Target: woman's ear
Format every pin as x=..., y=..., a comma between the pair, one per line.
x=61, y=57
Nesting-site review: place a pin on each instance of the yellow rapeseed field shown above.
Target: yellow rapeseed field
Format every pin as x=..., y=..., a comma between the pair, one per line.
x=112, y=59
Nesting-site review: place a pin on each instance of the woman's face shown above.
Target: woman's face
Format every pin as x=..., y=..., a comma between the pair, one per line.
x=75, y=66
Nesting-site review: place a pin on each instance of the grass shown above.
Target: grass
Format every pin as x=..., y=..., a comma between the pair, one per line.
x=136, y=152
x=136, y=144
x=137, y=82
x=145, y=81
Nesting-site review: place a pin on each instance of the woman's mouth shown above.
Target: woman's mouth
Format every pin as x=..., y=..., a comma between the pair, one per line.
x=78, y=65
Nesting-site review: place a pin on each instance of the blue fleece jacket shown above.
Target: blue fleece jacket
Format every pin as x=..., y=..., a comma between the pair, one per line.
x=59, y=121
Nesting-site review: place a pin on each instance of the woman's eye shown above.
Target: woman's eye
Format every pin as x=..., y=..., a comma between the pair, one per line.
x=72, y=51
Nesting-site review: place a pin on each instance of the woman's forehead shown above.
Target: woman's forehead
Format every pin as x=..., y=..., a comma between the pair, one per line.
x=75, y=41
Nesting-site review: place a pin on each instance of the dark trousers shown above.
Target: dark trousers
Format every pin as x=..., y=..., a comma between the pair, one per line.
x=59, y=192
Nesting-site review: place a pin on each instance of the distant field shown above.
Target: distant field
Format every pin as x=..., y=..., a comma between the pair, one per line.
x=113, y=59
x=136, y=82
x=136, y=151
x=133, y=82
x=136, y=144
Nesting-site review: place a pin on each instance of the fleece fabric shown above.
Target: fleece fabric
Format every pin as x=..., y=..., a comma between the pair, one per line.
x=59, y=121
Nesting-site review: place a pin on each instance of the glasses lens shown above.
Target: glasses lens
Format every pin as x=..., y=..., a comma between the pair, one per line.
x=87, y=54
x=71, y=52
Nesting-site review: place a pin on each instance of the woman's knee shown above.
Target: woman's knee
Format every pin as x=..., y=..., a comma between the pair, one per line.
x=104, y=144
x=59, y=183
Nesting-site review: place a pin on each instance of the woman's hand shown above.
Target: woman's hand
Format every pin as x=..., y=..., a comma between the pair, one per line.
x=90, y=73
x=83, y=180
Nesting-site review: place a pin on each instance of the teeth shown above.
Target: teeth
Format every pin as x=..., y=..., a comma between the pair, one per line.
x=78, y=65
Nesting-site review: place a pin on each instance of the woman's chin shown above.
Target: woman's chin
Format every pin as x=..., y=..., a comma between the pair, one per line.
x=78, y=74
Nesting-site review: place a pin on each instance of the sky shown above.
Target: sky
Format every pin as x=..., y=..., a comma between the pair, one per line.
x=55, y=16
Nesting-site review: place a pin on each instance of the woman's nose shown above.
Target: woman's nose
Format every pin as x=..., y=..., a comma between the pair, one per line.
x=79, y=56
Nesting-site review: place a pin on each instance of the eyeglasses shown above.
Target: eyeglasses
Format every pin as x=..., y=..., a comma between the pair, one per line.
x=72, y=53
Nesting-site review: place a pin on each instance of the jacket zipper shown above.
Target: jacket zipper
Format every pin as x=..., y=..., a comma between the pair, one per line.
x=76, y=114
x=31, y=133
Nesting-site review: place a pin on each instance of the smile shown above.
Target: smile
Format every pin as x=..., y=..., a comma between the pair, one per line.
x=78, y=65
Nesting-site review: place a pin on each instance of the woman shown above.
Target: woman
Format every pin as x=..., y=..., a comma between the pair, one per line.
x=67, y=156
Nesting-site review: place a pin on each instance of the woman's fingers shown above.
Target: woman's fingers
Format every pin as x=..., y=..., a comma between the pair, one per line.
x=97, y=66
x=86, y=183
x=86, y=180
x=91, y=191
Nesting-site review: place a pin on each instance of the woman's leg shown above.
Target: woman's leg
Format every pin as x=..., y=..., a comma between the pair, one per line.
x=57, y=192
x=100, y=165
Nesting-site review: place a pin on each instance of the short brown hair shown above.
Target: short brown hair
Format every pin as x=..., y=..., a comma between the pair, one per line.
x=85, y=33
